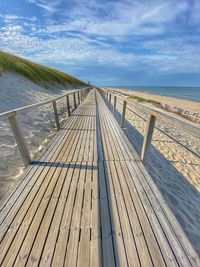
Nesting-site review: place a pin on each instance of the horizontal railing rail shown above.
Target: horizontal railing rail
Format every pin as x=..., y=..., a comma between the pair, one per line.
x=25, y=108
x=15, y=122
x=159, y=129
x=189, y=127
x=153, y=114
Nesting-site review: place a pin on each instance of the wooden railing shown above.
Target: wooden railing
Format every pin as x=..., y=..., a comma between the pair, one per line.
x=15, y=123
x=153, y=114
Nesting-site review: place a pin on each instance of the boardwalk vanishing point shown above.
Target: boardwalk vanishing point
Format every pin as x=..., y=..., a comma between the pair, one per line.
x=89, y=201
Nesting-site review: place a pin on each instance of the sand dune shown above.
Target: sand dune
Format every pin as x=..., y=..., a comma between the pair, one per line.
x=38, y=125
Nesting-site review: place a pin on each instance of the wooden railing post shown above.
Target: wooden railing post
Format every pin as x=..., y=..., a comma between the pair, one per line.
x=56, y=115
x=109, y=101
x=123, y=114
x=68, y=106
x=107, y=98
x=74, y=95
x=19, y=137
x=147, y=137
x=79, y=101
x=114, y=105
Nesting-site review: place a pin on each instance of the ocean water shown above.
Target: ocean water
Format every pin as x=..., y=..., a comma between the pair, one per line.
x=187, y=93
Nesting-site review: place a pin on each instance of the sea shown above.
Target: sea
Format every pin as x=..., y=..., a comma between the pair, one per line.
x=187, y=93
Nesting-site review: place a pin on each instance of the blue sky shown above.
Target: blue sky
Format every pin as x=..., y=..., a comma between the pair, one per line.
x=127, y=42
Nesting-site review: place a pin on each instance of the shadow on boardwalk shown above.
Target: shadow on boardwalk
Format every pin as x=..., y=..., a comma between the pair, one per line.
x=180, y=195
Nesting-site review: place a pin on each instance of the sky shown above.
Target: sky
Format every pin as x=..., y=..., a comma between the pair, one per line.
x=108, y=42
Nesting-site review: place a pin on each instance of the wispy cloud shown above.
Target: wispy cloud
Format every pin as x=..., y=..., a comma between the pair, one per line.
x=114, y=18
x=46, y=7
x=154, y=36
x=49, y=6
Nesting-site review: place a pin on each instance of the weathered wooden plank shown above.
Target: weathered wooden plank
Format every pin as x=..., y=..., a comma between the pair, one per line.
x=64, y=230
x=22, y=222
x=137, y=160
x=50, y=243
x=106, y=232
x=33, y=191
x=55, y=146
x=107, y=123
x=75, y=210
x=72, y=247
x=145, y=238
x=174, y=232
x=33, y=243
x=172, y=256
x=118, y=223
x=84, y=243
x=95, y=243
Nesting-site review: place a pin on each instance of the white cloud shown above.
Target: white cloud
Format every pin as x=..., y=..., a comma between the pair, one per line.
x=46, y=7
x=173, y=55
x=117, y=19
x=60, y=50
x=11, y=17
x=125, y=18
x=121, y=21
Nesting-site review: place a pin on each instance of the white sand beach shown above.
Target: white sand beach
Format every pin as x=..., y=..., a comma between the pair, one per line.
x=38, y=125
x=173, y=162
x=185, y=161
x=190, y=105
x=189, y=110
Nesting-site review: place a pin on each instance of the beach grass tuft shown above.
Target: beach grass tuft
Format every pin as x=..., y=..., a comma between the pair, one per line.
x=39, y=74
x=144, y=100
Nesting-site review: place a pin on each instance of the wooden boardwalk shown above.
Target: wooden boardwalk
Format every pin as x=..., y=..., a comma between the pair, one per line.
x=90, y=202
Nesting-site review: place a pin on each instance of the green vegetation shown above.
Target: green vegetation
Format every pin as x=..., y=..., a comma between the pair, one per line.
x=36, y=73
x=144, y=100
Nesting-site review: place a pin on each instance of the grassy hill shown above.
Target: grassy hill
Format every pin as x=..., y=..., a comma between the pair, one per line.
x=36, y=73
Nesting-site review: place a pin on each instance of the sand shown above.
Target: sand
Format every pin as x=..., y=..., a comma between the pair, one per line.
x=185, y=161
x=175, y=169
x=174, y=164
x=38, y=125
x=186, y=104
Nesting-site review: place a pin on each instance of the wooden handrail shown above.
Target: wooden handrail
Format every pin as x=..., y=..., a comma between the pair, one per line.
x=189, y=127
x=15, y=124
x=153, y=115
x=25, y=108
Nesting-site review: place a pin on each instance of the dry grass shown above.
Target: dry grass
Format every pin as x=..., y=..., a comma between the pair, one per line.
x=36, y=73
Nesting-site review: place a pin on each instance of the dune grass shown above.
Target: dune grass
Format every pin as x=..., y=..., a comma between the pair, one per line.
x=144, y=100
x=36, y=73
